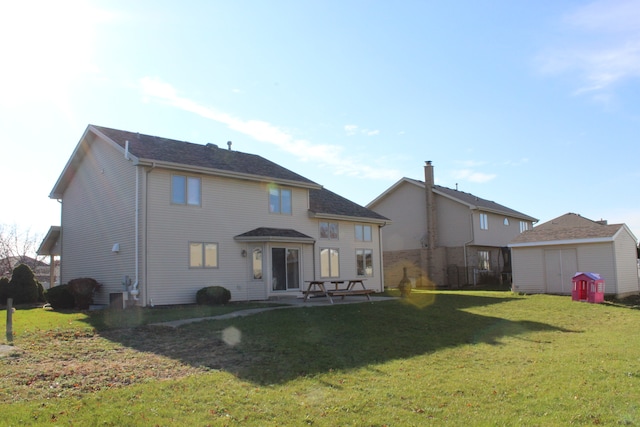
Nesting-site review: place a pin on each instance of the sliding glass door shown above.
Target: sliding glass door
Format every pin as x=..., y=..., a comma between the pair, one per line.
x=285, y=267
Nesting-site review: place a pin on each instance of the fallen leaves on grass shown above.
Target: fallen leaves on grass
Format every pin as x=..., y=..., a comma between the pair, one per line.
x=73, y=363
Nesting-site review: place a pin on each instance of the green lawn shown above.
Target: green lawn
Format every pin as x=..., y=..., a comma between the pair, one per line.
x=455, y=358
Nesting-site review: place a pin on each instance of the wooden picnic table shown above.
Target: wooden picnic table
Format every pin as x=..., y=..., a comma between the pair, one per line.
x=321, y=290
x=341, y=292
x=351, y=289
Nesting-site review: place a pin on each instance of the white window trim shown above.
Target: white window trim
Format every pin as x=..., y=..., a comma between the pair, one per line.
x=484, y=221
x=488, y=260
x=330, y=266
x=279, y=211
x=186, y=190
x=363, y=226
x=203, y=256
x=329, y=223
x=364, y=252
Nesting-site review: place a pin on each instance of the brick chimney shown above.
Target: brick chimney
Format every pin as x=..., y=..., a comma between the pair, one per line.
x=431, y=205
x=431, y=220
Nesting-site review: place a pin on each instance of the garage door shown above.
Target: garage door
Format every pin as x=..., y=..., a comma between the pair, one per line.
x=560, y=266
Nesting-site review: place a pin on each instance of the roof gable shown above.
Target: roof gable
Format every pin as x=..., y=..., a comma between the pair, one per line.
x=152, y=150
x=467, y=199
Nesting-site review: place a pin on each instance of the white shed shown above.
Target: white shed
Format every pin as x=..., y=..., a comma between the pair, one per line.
x=545, y=258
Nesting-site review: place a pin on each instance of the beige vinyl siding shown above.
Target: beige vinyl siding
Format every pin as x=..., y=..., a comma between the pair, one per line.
x=599, y=258
x=497, y=234
x=406, y=208
x=98, y=210
x=347, y=245
x=454, y=222
x=528, y=270
x=229, y=207
x=626, y=263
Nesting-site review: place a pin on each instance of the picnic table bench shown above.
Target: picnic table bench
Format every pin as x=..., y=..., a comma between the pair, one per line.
x=337, y=292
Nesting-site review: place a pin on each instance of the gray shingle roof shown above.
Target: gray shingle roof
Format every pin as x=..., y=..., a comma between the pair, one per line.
x=153, y=148
x=147, y=147
x=569, y=226
x=478, y=202
x=273, y=233
x=485, y=204
x=324, y=201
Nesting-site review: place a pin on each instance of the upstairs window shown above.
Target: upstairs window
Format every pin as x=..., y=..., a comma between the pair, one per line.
x=524, y=226
x=363, y=233
x=280, y=201
x=506, y=221
x=484, y=222
x=328, y=230
x=185, y=190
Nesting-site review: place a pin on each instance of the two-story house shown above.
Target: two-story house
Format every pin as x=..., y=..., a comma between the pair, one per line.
x=443, y=236
x=163, y=218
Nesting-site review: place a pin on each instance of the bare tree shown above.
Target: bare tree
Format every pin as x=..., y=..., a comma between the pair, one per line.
x=18, y=247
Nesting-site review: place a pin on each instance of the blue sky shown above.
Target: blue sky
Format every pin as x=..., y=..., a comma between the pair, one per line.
x=531, y=104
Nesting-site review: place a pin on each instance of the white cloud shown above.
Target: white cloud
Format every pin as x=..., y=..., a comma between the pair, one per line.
x=352, y=130
x=604, y=46
x=473, y=176
x=610, y=16
x=331, y=156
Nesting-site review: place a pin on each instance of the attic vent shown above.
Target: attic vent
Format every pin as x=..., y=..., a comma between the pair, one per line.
x=211, y=145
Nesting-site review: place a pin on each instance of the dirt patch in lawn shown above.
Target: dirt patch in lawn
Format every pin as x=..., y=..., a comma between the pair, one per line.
x=71, y=363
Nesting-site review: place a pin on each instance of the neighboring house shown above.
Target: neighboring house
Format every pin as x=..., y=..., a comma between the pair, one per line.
x=51, y=246
x=167, y=217
x=546, y=258
x=41, y=270
x=444, y=236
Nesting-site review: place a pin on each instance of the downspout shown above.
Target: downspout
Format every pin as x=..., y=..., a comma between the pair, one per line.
x=381, y=257
x=148, y=301
x=134, y=288
x=137, y=230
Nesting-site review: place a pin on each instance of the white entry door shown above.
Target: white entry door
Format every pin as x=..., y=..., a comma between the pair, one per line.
x=560, y=265
x=258, y=289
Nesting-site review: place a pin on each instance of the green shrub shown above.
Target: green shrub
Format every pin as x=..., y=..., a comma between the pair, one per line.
x=4, y=290
x=23, y=286
x=60, y=297
x=213, y=295
x=82, y=290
